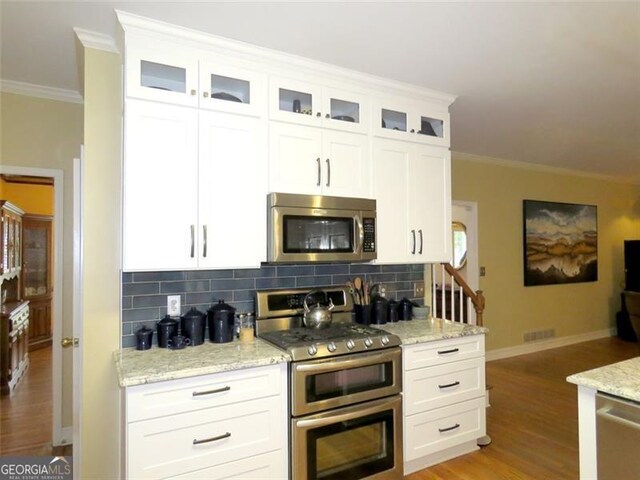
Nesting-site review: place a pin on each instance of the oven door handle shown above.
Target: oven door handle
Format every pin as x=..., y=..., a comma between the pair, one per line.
x=333, y=364
x=350, y=413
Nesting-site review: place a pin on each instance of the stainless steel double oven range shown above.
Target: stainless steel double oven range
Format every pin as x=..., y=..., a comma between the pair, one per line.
x=344, y=383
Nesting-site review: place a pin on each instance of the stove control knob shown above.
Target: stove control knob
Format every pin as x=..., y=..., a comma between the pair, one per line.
x=350, y=344
x=332, y=347
x=368, y=342
x=384, y=340
x=312, y=350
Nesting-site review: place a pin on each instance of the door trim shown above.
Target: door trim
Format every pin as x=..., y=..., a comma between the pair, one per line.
x=59, y=436
x=473, y=262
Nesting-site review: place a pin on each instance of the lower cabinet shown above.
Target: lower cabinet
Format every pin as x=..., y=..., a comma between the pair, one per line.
x=14, y=345
x=226, y=425
x=444, y=400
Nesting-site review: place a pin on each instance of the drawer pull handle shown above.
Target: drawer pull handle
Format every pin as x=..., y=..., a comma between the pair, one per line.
x=452, y=350
x=442, y=430
x=212, y=439
x=209, y=392
x=449, y=385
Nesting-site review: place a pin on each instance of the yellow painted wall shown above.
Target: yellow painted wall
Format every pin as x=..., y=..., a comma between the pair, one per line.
x=34, y=199
x=39, y=133
x=572, y=309
x=101, y=282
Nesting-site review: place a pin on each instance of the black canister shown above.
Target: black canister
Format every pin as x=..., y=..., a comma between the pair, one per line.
x=379, y=310
x=193, y=324
x=392, y=311
x=144, y=338
x=405, y=308
x=221, y=320
x=167, y=328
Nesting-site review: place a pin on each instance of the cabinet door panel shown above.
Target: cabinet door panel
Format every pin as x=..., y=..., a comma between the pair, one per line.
x=390, y=179
x=160, y=189
x=346, y=164
x=294, y=101
x=232, y=178
x=295, y=160
x=344, y=110
x=430, y=203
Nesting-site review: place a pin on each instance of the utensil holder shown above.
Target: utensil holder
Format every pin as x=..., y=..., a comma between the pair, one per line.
x=363, y=314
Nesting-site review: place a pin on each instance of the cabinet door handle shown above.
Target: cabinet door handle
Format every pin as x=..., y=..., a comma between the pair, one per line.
x=319, y=172
x=420, y=233
x=193, y=240
x=318, y=114
x=413, y=234
x=452, y=350
x=413, y=130
x=212, y=439
x=448, y=429
x=211, y=392
x=193, y=92
x=327, y=116
x=449, y=385
x=204, y=238
x=328, y=172
x=205, y=94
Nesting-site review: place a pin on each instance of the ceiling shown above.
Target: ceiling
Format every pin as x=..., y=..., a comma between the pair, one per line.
x=554, y=84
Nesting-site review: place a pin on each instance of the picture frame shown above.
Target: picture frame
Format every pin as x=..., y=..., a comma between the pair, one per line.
x=560, y=242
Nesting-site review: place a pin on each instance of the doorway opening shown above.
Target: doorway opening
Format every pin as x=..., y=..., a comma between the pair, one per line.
x=32, y=408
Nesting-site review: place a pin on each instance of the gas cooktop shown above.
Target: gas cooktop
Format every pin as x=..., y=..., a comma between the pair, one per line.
x=306, y=343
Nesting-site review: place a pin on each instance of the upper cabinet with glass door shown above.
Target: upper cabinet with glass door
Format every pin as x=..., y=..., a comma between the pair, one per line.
x=416, y=122
x=226, y=88
x=308, y=104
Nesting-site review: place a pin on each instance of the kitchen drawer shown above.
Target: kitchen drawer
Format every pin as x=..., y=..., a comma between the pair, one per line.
x=435, y=430
x=268, y=466
x=163, y=447
x=429, y=354
x=184, y=395
x=434, y=387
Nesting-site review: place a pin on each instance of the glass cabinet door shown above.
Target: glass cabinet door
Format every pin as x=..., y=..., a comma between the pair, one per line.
x=232, y=90
x=345, y=110
x=412, y=122
x=295, y=102
x=36, y=254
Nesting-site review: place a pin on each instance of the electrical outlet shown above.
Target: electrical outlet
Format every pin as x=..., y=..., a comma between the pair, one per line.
x=382, y=289
x=173, y=305
x=418, y=289
x=483, y=271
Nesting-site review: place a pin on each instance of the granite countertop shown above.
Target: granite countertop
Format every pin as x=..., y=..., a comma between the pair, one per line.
x=136, y=367
x=429, y=330
x=621, y=379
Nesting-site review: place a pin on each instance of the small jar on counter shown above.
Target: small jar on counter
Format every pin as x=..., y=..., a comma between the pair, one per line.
x=247, y=333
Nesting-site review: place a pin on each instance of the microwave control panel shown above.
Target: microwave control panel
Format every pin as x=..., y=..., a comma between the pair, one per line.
x=369, y=226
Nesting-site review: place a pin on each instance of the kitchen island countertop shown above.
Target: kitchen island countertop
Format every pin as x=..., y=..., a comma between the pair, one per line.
x=137, y=367
x=621, y=379
x=430, y=330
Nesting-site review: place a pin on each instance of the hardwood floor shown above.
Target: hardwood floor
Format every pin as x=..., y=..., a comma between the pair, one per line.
x=26, y=415
x=533, y=418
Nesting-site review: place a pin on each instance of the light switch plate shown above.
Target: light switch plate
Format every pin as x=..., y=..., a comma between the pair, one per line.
x=173, y=305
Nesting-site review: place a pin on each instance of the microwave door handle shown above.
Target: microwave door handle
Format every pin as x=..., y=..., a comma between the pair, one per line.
x=360, y=245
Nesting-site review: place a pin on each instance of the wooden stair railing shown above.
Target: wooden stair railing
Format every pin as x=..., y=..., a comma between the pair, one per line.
x=459, y=292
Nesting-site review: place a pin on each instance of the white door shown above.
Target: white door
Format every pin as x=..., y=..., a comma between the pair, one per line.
x=295, y=159
x=78, y=181
x=430, y=204
x=232, y=218
x=390, y=181
x=345, y=164
x=160, y=187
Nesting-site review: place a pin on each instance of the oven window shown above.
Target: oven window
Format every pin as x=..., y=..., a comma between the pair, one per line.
x=351, y=449
x=348, y=381
x=308, y=234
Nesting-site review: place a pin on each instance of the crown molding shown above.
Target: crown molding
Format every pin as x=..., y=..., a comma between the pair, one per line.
x=470, y=157
x=98, y=41
x=40, y=91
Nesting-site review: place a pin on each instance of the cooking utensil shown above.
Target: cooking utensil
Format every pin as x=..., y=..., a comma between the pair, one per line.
x=357, y=283
x=221, y=319
x=318, y=316
x=354, y=293
x=365, y=289
x=193, y=323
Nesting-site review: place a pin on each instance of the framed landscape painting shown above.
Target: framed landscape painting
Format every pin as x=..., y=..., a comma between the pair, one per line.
x=560, y=243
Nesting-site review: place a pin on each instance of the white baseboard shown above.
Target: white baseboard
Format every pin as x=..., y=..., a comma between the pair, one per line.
x=66, y=437
x=547, y=344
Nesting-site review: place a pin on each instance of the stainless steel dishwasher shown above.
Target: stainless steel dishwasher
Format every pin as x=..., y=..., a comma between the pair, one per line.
x=618, y=434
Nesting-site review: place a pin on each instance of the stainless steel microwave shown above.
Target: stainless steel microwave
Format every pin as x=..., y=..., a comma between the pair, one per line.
x=317, y=228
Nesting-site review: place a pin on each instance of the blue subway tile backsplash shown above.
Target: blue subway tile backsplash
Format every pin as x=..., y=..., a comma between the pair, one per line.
x=144, y=294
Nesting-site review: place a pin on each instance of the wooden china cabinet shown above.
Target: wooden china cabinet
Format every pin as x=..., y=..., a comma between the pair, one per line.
x=36, y=278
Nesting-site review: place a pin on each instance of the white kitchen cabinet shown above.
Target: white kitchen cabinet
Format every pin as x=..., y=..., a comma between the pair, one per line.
x=226, y=425
x=411, y=183
x=184, y=206
x=444, y=400
x=411, y=121
x=315, y=161
x=306, y=103
x=160, y=209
